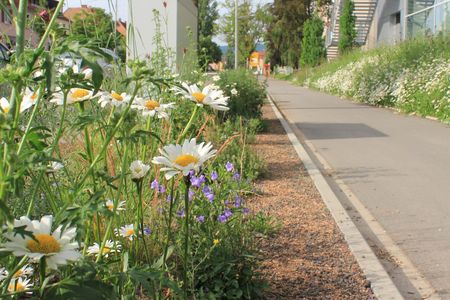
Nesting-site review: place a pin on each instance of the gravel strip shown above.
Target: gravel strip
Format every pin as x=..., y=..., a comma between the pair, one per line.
x=308, y=257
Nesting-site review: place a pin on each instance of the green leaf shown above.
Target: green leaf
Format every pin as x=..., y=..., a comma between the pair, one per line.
x=159, y=263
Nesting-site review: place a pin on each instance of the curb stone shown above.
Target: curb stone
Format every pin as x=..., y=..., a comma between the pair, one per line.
x=381, y=284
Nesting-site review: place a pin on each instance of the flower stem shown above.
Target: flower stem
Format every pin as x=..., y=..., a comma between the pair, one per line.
x=186, y=235
x=169, y=224
x=189, y=124
x=42, y=266
x=52, y=146
x=147, y=128
x=20, y=21
x=106, y=141
x=141, y=218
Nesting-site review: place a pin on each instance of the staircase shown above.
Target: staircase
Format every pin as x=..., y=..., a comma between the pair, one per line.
x=364, y=11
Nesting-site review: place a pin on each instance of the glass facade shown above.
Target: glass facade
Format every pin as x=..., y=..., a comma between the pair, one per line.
x=427, y=17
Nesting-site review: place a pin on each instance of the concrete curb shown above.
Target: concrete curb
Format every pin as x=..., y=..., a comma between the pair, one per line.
x=381, y=283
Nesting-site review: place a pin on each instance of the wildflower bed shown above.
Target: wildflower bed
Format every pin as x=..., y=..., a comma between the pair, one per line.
x=124, y=185
x=412, y=76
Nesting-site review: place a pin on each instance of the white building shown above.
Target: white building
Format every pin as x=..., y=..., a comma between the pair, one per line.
x=385, y=22
x=176, y=17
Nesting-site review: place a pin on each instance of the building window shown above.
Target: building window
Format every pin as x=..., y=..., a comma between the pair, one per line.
x=396, y=18
x=432, y=18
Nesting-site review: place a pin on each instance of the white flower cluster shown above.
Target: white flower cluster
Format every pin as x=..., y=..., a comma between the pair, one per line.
x=375, y=81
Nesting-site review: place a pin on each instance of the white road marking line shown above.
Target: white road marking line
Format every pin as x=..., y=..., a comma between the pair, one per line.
x=382, y=285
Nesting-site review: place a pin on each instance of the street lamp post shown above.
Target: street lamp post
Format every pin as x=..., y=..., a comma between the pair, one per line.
x=235, y=34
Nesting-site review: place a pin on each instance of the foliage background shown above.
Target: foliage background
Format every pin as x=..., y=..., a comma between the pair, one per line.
x=313, y=44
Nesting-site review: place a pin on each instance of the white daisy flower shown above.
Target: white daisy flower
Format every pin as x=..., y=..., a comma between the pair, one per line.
x=25, y=271
x=55, y=166
x=19, y=285
x=109, y=204
x=151, y=108
x=58, y=248
x=87, y=72
x=114, y=99
x=127, y=232
x=234, y=92
x=208, y=96
x=183, y=158
x=75, y=95
x=29, y=99
x=216, y=78
x=138, y=169
x=110, y=247
x=4, y=105
x=213, y=86
x=37, y=74
x=3, y=273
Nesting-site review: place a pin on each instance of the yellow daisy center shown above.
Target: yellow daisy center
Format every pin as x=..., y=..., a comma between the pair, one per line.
x=216, y=242
x=110, y=206
x=34, y=97
x=129, y=232
x=199, y=96
x=16, y=287
x=116, y=96
x=44, y=243
x=185, y=160
x=18, y=273
x=80, y=93
x=151, y=104
x=6, y=109
x=106, y=250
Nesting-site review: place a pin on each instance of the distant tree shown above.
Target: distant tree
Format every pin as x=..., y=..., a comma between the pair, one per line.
x=251, y=27
x=208, y=51
x=99, y=29
x=347, y=29
x=208, y=14
x=285, y=32
x=313, y=44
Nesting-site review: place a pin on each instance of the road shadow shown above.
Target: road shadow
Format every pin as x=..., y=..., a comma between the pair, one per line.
x=329, y=131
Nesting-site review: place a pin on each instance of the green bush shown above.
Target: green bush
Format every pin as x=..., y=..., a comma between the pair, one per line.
x=246, y=94
x=313, y=45
x=347, y=27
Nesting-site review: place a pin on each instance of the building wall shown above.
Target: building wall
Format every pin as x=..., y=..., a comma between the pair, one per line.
x=187, y=17
x=387, y=26
x=175, y=17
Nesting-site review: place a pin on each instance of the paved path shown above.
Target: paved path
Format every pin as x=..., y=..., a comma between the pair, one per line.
x=397, y=166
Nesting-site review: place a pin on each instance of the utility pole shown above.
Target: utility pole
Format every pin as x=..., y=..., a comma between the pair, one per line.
x=235, y=34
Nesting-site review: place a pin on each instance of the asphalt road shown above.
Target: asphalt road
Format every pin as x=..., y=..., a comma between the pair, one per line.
x=397, y=165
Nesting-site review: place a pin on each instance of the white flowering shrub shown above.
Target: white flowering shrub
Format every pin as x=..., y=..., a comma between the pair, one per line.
x=414, y=77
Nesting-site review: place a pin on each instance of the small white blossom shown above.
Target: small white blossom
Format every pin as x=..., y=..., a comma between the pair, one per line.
x=138, y=169
x=127, y=232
